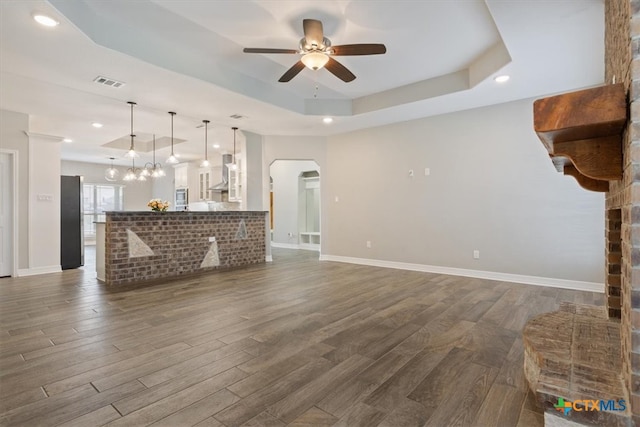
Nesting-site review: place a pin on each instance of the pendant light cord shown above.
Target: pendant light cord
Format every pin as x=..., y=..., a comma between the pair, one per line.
x=172, y=114
x=206, y=152
x=234, y=143
x=131, y=147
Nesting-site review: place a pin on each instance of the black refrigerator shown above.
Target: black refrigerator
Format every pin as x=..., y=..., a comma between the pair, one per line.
x=71, y=222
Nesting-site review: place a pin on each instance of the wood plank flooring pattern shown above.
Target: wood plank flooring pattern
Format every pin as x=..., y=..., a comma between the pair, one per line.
x=296, y=342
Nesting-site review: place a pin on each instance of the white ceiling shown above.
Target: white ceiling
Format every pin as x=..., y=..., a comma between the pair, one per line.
x=186, y=56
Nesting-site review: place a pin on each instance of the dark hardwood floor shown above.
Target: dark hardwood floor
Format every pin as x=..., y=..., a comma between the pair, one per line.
x=295, y=342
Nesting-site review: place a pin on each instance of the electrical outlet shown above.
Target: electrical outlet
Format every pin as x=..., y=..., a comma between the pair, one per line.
x=212, y=239
x=427, y=171
x=369, y=244
x=337, y=199
x=476, y=254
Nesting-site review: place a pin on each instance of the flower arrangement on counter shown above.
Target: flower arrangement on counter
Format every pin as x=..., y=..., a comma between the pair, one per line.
x=158, y=205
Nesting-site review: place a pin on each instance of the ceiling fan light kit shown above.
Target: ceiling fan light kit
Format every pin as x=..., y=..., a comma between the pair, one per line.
x=317, y=53
x=315, y=60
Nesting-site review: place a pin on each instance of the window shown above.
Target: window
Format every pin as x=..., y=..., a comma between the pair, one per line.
x=97, y=199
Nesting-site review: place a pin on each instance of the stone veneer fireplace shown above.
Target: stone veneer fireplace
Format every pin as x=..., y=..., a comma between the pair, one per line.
x=622, y=228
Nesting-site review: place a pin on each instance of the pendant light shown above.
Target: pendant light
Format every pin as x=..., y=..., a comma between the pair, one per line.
x=132, y=152
x=205, y=162
x=131, y=174
x=153, y=169
x=111, y=174
x=233, y=165
x=172, y=158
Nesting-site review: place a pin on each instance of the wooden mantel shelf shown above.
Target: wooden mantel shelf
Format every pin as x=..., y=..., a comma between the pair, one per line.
x=584, y=128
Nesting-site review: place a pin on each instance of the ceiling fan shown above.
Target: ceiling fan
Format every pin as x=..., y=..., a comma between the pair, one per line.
x=317, y=52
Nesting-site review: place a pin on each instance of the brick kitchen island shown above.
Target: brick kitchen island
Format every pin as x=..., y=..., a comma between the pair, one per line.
x=151, y=246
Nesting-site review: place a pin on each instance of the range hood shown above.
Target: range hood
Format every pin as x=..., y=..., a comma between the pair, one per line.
x=224, y=185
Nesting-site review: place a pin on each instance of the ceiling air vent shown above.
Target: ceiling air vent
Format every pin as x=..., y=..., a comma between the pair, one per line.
x=237, y=116
x=108, y=82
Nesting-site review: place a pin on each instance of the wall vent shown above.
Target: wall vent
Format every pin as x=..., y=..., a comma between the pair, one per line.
x=108, y=82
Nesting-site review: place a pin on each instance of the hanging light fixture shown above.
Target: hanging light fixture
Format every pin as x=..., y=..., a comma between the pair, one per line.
x=205, y=162
x=153, y=169
x=233, y=165
x=134, y=173
x=131, y=174
x=111, y=174
x=132, y=152
x=315, y=60
x=172, y=158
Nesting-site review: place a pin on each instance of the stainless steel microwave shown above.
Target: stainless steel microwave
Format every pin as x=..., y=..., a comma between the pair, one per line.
x=182, y=199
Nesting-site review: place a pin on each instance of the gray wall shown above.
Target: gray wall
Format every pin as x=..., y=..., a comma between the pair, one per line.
x=492, y=188
x=12, y=137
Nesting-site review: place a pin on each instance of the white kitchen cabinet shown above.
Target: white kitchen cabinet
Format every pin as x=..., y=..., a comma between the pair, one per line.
x=235, y=183
x=181, y=175
x=205, y=176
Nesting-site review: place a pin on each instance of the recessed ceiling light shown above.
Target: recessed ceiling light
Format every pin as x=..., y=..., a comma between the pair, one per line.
x=96, y=125
x=216, y=145
x=67, y=140
x=327, y=120
x=501, y=79
x=45, y=20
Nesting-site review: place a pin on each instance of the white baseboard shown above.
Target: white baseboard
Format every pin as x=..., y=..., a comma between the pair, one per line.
x=285, y=245
x=488, y=275
x=306, y=247
x=39, y=270
x=310, y=247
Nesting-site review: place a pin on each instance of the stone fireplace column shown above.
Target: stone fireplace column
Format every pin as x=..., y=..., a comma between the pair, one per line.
x=622, y=62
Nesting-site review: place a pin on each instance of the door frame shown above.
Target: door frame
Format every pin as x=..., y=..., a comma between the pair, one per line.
x=13, y=161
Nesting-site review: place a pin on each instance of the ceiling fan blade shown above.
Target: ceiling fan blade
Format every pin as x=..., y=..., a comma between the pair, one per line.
x=292, y=72
x=339, y=70
x=267, y=50
x=359, y=49
x=313, y=33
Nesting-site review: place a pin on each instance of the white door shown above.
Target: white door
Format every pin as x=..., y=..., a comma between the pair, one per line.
x=6, y=215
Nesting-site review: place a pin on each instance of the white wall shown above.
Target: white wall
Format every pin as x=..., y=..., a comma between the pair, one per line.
x=254, y=189
x=44, y=203
x=492, y=188
x=13, y=137
x=136, y=194
x=296, y=148
x=163, y=188
x=285, y=174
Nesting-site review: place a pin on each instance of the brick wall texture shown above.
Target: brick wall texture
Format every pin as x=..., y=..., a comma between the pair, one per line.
x=622, y=64
x=179, y=241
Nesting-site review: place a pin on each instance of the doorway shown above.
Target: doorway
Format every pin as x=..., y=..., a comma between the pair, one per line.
x=295, y=201
x=7, y=214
